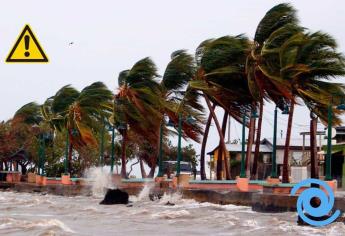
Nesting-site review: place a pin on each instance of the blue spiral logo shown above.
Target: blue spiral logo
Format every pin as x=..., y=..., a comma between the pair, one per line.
x=326, y=202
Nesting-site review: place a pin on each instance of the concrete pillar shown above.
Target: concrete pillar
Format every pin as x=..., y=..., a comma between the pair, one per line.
x=270, y=180
x=38, y=180
x=333, y=184
x=31, y=177
x=183, y=180
x=242, y=184
x=66, y=179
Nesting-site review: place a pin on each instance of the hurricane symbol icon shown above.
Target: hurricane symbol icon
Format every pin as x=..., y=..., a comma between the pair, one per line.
x=304, y=205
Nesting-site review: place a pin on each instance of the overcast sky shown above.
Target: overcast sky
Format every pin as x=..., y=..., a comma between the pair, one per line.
x=109, y=36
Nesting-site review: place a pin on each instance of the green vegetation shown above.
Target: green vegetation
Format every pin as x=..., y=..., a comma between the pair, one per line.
x=284, y=63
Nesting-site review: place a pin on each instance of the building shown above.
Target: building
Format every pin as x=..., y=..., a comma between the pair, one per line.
x=299, y=154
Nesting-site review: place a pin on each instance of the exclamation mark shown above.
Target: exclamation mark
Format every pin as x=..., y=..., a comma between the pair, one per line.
x=27, y=43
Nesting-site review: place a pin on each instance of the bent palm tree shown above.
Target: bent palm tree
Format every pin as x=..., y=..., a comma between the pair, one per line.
x=222, y=80
x=81, y=113
x=137, y=105
x=307, y=61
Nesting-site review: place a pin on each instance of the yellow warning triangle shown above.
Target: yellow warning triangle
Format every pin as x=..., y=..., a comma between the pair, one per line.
x=27, y=48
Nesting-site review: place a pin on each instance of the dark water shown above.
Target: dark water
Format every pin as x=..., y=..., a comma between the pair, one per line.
x=35, y=214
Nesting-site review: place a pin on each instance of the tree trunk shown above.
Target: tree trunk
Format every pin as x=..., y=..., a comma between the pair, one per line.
x=257, y=142
x=250, y=145
x=221, y=136
x=219, y=163
x=313, y=147
x=123, y=154
x=221, y=153
x=203, y=145
x=152, y=171
x=287, y=145
x=23, y=168
x=142, y=169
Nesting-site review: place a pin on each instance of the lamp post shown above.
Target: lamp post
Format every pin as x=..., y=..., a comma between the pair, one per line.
x=43, y=154
x=189, y=120
x=66, y=153
x=178, y=167
x=160, y=157
x=112, y=149
x=170, y=123
x=101, y=154
x=39, y=154
x=341, y=106
x=274, y=151
x=123, y=127
x=243, y=171
x=274, y=144
x=329, y=144
x=66, y=162
x=254, y=115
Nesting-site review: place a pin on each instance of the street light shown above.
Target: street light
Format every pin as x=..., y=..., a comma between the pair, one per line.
x=329, y=137
x=112, y=129
x=254, y=114
x=243, y=171
x=189, y=120
x=274, y=144
x=101, y=154
x=123, y=126
x=160, y=157
x=74, y=133
x=170, y=123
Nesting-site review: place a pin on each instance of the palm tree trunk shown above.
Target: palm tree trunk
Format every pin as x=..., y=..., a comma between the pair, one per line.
x=313, y=147
x=123, y=154
x=287, y=145
x=70, y=150
x=250, y=145
x=152, y=171
x=221, y=136
x=142, y=169
x=220, y=162
x=203, y=145
x=257, y=142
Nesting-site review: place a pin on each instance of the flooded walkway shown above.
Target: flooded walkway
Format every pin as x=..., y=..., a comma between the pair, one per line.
x=36, y=214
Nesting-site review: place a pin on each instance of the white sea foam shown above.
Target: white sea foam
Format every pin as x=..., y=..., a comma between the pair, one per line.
x=100, y=180
x=25, y=224
x=145, y=192
x=171, y=214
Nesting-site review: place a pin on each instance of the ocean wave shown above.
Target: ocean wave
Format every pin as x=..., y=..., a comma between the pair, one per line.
x=171, y=214
x=7, y=223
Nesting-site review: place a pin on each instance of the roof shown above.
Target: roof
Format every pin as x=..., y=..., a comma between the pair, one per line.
x=238, y=148
x=339, y=147
x=267, y=143
x=294, y=142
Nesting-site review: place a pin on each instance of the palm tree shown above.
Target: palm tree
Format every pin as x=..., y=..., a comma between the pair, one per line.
x=203, y=144
x=137, y=105
x=307, y=61
x=81, y=113
x=178, y=97
x=29, y=114
x=222, y=80
x=268, y=35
